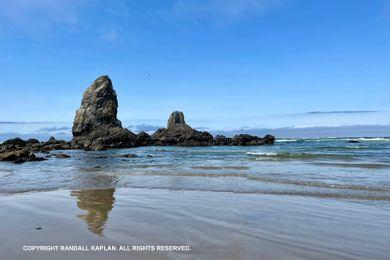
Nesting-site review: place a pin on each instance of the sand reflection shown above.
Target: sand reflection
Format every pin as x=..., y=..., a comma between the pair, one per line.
x=97, y=204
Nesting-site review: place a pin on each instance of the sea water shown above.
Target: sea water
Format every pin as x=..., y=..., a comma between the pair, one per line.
x=322, y=167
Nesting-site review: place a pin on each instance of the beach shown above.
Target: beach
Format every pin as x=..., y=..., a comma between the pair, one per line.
x=213, y=225
x=298, y=199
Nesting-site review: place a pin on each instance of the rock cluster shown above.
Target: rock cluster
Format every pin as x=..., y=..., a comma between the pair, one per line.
x=96, y=125
x=19, y=151
x=243, y=140
x=181, y=134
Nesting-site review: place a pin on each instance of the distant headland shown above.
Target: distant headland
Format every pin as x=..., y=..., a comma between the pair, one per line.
x=96, y=127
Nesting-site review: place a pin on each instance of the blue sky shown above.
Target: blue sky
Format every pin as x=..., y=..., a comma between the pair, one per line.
x=225, y=63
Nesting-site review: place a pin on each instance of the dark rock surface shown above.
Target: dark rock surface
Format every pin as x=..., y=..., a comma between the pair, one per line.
x=129, y=155
x=247, y=140
x=96, y=126
x=181, y=134
x=222, y=140
x=176, y=119
x=19, y=151
x=61, y=155
x=143, y=139
x=19, y=156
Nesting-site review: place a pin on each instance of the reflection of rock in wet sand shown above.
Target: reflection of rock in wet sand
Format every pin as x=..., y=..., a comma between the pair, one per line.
x=97, y=203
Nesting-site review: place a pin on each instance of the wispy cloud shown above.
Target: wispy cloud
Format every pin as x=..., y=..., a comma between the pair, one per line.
x=53, y=129
x=343, y=112
x=42, y=18
x=222, y=11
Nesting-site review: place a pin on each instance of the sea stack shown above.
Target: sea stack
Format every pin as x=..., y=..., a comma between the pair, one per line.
x=96, y=126
x=181, y=134
x=176, y=119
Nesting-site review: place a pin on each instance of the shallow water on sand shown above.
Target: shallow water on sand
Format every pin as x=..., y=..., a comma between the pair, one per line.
x=215, y=225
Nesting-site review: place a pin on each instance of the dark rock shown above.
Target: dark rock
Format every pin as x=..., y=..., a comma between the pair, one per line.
x=96, y=126
x=129, y=155
x=61, y=155
x=222, y=140
x=32, y=141
x=248, y=140
x=143, y=139
x=20, y=161
x=181, y=134
x=149, y=156
x=51, y=140
x=176, y=119
x=353, y=141
x=19, y=156
x=13, y=144
x=13, y=155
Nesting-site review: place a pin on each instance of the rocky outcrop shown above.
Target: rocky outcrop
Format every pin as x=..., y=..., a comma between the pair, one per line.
x=96, y=125
x=34, y=145
x=181, y=134
x=243, y=140
x=19, y=156
x=247, y=140
x=19, y=151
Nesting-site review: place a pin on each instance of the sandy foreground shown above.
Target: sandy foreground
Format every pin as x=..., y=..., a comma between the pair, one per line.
x=162, y=224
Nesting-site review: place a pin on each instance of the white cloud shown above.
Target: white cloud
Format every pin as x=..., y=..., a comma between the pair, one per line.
x=43, y=18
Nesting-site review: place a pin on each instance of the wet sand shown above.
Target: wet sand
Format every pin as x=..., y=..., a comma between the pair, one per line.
x=215, y=225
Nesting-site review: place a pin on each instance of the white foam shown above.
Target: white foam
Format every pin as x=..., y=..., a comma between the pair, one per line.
x=262, y=153
x=286, y=140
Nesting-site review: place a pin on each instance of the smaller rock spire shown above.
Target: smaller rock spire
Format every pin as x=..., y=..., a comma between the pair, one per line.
x=176, y=118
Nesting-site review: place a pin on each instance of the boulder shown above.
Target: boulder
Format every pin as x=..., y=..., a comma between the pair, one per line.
x=96, y=126
x=13, y=144
x=61, y=156
x=19, y=156
x=181, y=134
x=129, y=155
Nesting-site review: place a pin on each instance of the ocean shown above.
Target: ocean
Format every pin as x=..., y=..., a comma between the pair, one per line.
x=323, y=167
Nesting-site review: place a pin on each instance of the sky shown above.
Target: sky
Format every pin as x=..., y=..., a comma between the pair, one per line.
x=225, y=63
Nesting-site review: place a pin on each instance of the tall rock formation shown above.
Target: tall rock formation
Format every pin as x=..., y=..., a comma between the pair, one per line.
x=96, y=125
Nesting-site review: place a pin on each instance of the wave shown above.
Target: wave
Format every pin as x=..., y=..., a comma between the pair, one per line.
x=262, y=153
x=286, y=140
x=385, y=139
x=292, y=156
